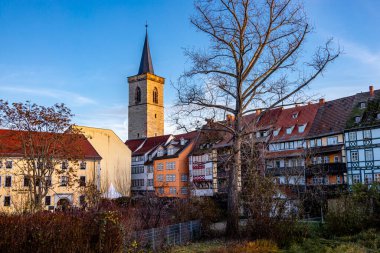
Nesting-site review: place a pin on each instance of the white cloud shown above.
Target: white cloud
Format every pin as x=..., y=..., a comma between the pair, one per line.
x=362, y=54
x=73, y=98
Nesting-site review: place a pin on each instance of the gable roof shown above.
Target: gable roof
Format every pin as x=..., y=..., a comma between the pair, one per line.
x=305, y=115
x=151, y=143
x=332, y=116
x=133, y=145
x=78, y=146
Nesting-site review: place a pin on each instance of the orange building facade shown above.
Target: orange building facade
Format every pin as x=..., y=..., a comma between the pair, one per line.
x=171, y=167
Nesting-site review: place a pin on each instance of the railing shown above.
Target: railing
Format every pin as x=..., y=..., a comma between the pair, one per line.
x=326, y=168
x=288, y=171
x=177, y=234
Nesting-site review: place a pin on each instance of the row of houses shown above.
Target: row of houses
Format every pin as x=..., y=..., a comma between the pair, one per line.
x=333, y=143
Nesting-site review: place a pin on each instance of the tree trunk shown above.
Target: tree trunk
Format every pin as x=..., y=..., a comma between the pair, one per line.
x=233, y=191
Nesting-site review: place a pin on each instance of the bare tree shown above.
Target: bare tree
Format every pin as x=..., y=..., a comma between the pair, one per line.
x=40, y=146
x=253, y=62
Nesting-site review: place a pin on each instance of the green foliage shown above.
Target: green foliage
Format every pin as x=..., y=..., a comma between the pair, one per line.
x=355, y=212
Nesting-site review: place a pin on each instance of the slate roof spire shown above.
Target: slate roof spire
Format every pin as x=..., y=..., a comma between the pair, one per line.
x=146, y=65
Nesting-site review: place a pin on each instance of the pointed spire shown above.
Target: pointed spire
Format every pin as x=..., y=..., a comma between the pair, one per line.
x=146, y=60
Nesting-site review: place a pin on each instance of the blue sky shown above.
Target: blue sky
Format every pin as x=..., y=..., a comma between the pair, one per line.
x=81, y=52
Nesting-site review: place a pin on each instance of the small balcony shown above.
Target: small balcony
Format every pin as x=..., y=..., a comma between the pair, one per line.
x=285, y=171
x=326, y=169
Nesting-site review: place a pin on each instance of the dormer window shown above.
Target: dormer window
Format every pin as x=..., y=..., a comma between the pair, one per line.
x=357, y=119
x=289, y=130
x=258, y=135
x=171, y=151
x=294, y=115
x=160, y=152
x=301, y=128
x=277, y=131
x=182, y=141
x=362, y=105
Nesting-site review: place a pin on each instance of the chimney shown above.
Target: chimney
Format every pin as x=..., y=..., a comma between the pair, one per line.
x=371, y=91
x=258, y=112
x=321, y=101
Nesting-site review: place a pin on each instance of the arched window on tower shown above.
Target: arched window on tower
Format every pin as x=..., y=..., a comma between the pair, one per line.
x=155, y=95
x=137, y=95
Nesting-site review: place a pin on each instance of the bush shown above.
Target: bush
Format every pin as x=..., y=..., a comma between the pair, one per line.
x=61, y=232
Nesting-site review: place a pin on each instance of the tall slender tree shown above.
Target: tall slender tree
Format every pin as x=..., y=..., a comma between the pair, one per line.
x=255, y=61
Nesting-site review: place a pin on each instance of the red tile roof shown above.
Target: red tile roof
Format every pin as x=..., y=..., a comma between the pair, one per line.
x=134, y=144
x=331, y=118
x=285, y=153
x=75, y=146
x=187, y=136
x=151, y=143
x=305, y=114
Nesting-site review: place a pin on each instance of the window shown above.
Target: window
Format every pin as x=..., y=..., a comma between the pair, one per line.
x=289, y=130
x=47, y=200
x=332, y=140
x=161, y=190
x=82, y=200
x=295, y=115
x=137, y=95
x=362, y=105
x=170, y=165
x=155, y=95
x=368, y=155
x=64, y=180
x=139, y=169
x=184, y=178
x=338, y=180
x=367, y=134
x=137, y=158
x=64, y=165
x=48, y=181
x=82, y=181
x=357, y=119
x=336, y=159
x=173, y=190
x=326, y=159
x=8, y=181
x=1, y=164
x=26, y=181
x=278, y=164
x=355, y=179
x=301, y=128
x=184, y=190
x=170, y=178
x=277, y=131
x=317, y=180
x=368, y=178
x=150, y=182
x=377, y=177
x=354, y=156
x=319, y=159
x=319, y=142
x=8, y=164
x=160, y=166
x=138, y=182
x=352, y=136
x=7, y=201
x=39, y=165
x=171, y=151
x=83, y=165
x=160, y=178
x=160, y=152
x=150, y=168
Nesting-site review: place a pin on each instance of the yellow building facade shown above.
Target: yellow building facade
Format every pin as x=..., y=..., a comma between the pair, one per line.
x=115, y=174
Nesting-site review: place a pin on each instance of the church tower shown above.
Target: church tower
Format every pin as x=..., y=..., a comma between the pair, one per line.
x=146, y=99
